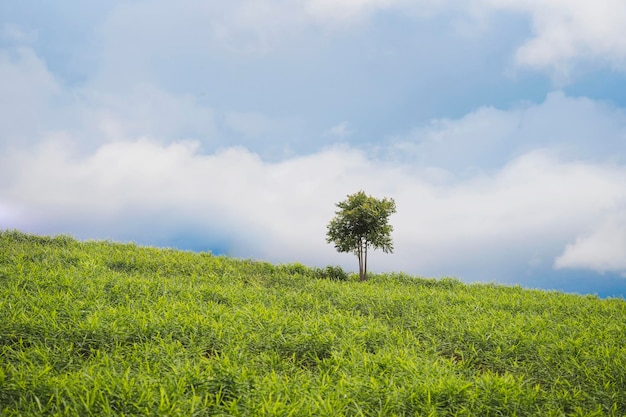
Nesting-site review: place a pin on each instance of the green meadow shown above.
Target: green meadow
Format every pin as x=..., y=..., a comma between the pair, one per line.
x=98, y=328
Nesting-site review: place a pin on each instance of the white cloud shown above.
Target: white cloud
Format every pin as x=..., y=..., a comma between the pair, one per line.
x=26, y=90
x=603, y=250
x=146, y=110
x=139, y=37
x=566, y=32
x=278, y=211
x=261, y=204
x=486, y=138
x=35, y=104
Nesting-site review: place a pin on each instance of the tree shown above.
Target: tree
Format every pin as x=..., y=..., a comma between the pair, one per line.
x=362, y=222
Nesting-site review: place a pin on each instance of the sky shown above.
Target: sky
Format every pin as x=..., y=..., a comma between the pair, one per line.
x=497, y=126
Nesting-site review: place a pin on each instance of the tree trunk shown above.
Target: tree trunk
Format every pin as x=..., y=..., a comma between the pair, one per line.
x=365, y=263
x=360, y=256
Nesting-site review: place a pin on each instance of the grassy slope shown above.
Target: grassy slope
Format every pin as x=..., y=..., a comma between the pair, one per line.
x=97, y=328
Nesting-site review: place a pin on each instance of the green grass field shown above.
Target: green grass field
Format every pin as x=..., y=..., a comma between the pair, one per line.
x=101, y=328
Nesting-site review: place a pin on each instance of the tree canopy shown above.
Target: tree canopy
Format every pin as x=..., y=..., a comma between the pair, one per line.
x=362, y=222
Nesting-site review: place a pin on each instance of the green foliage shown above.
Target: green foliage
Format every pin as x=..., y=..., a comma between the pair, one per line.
x=295, y=268
x=332, y=272
x=100, y=328
x=362, y=222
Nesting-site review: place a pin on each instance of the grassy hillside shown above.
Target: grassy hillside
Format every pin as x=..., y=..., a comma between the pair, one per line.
x=100, y=328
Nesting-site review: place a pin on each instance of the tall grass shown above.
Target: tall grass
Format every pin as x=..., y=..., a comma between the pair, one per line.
x=101, y=328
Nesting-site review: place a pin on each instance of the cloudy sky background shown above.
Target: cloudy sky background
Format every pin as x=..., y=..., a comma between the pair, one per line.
x=499, y=127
